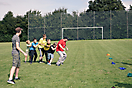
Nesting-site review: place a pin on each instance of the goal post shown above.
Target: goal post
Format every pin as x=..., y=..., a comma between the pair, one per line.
x=81, y=28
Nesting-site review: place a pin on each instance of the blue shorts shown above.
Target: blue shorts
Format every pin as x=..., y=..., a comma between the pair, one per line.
x=50, y=55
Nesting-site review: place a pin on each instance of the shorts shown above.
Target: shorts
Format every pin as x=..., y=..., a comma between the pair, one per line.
x=41, y=50
x=50, y=55
x=16, y=60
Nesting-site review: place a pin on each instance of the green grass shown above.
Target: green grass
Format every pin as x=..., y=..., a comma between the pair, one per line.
x=86, y=66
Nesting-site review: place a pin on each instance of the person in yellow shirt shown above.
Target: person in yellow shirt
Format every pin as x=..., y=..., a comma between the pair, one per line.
x=46, y=49
x=42, y=42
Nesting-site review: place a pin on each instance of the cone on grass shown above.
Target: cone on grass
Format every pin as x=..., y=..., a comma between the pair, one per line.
x=122, y=68
x=129, y=75
x=112, y=63
x=108, y=54
x=110, y=58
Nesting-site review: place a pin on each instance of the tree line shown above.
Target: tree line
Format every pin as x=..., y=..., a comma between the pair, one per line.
x=98, y=14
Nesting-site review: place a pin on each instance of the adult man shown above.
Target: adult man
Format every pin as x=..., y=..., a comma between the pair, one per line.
x=42, y=42
x=60, y=50
x=16, y=55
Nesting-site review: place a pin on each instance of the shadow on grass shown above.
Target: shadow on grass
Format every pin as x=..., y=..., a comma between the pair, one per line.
x=123, y=85
x=126, y=63
x=38, y=62
x=53, y=63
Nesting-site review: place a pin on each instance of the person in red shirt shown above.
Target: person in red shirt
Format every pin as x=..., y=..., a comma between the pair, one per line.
x=60, y=49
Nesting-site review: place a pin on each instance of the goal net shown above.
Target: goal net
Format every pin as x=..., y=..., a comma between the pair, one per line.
x=83, y=33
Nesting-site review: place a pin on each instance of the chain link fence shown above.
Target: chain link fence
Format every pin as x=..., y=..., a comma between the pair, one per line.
x=116, y=25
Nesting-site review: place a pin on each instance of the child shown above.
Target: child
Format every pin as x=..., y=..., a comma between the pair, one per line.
x=51, y=53
x=46, y=48
x=60, y=49
x=32, y=49
x=42, y=42
x=28, y=44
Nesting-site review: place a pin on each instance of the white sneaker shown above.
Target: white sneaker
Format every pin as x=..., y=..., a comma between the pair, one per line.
x=11, y=81
x=48, y=63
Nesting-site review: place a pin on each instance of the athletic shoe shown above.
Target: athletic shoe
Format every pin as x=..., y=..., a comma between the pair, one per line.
x=57, y=65
x=40, y=62
x=62, y=63
x=17, y=78
x=11, y=81
x=48, y=63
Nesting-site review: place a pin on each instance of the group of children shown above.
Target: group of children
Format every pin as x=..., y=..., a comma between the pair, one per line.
x=44, y=47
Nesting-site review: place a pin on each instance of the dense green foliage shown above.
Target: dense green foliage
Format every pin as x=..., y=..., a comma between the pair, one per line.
x=105, y=5
x=111, y=15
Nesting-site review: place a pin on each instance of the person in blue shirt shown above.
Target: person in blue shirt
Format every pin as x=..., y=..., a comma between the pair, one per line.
x=32, y=49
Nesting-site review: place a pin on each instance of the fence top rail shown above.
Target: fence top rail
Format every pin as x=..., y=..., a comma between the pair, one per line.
x=81, y=27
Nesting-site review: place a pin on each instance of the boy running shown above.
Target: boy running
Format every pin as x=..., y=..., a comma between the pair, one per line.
x=42, y=42
x=60, y=50
x=46, y=48
x=32, y=49
x=16, y=56
x=51, y=53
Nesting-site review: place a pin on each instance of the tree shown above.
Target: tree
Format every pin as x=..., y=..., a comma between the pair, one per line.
x=130, y=7
x=105, y=5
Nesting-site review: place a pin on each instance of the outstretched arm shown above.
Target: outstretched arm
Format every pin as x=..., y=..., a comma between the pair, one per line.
x=17, y=46
x=35, y=46
x=66, y=48
x=53, y=48
x=61, y=46
x=29, y=45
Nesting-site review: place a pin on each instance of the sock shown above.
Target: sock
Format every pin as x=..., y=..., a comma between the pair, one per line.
x=10, y=78
x=16, y=77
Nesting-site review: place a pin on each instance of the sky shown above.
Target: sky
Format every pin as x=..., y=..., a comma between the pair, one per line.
x=20, y=7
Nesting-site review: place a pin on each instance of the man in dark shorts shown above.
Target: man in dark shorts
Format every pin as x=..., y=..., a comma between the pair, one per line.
x=16, y=56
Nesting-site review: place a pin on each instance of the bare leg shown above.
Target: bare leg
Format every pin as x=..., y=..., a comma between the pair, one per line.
x=12, y=72
x=17, y=71
x=51, y=60
x=25, y=59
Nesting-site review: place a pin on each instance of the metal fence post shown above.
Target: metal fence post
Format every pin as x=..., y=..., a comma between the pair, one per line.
x=110, y=26
x=127, y=24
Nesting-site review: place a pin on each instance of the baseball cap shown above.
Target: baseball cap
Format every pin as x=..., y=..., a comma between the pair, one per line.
x=18, y=29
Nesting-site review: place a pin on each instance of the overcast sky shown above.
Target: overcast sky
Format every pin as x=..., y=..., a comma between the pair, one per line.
x=20, y=7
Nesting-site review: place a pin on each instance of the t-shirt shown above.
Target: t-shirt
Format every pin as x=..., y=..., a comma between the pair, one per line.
x=47, y=48
x=28, y=46
x=33, y=44
x=42, y=41
x=15, y=39
x=50, y=50
x=63, y=44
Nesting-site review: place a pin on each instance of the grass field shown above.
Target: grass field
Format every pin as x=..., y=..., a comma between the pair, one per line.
x=86, y=66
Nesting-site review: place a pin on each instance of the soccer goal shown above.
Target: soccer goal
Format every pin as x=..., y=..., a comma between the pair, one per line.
x=77, y=28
